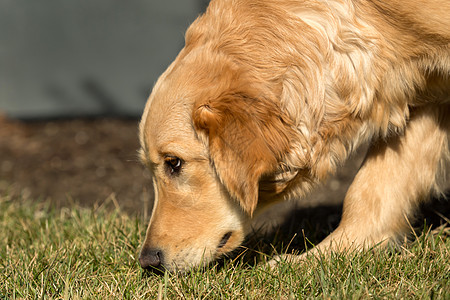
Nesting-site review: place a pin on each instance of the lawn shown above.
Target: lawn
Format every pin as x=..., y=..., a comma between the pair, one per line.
x=75, y=252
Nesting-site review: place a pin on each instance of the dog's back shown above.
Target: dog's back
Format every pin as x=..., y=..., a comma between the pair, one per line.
x=425, y=16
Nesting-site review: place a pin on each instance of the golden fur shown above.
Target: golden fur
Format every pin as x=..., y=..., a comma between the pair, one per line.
x=268, y=97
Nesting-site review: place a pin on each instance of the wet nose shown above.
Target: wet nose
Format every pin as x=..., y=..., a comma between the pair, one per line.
x=150, y=258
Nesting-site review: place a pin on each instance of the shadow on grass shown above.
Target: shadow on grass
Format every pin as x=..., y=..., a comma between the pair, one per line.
x=301, y=230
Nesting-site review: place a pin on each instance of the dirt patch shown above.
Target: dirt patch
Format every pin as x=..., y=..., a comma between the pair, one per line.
x=85, y=161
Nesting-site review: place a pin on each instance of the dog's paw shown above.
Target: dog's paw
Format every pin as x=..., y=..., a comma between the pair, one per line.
x=278, y=260
x=274, y=262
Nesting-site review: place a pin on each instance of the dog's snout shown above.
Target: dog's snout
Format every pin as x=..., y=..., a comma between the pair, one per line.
x=151, y=258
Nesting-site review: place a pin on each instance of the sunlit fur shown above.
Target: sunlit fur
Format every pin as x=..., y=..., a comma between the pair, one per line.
x=269, y=97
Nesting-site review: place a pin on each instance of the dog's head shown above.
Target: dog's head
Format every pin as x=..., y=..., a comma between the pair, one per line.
x=265, y=99
x=209, y=134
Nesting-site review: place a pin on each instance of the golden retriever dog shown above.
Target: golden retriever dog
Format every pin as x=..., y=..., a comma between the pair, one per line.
x=269, y=97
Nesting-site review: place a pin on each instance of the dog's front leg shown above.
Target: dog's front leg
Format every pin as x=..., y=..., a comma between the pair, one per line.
x=396, y=176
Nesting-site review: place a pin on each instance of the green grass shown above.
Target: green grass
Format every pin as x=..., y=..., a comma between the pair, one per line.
x=73, y=253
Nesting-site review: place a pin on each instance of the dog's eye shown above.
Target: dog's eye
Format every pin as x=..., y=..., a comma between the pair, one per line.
x=173, y=165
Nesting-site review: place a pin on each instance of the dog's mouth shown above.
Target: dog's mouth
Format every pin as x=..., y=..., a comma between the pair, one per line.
x=224, y=240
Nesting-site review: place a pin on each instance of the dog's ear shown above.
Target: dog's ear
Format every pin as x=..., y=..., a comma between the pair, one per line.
x=248, y=137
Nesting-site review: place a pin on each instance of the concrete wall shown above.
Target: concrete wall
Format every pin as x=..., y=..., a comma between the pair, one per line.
x=62, y=58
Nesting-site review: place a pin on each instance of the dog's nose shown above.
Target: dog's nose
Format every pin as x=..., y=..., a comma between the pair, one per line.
x=150, y=258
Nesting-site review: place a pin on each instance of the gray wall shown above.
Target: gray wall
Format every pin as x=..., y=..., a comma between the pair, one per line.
x=69, y=58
